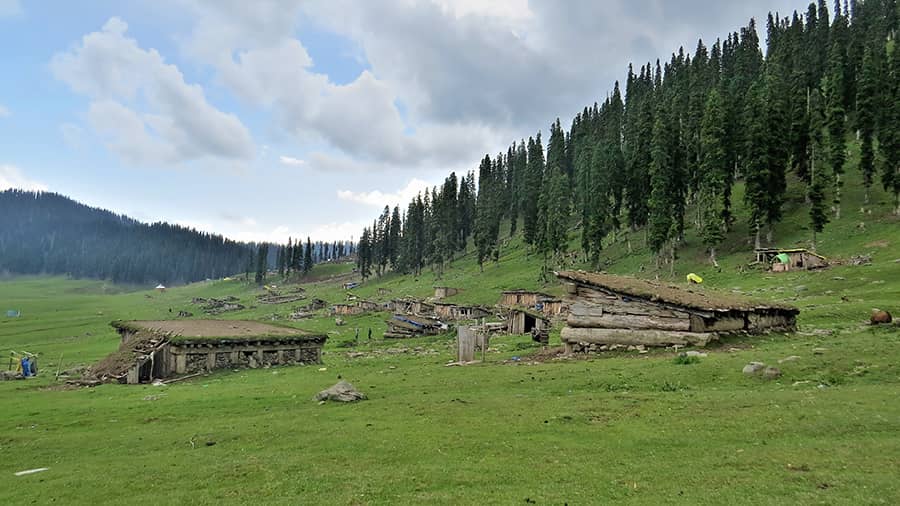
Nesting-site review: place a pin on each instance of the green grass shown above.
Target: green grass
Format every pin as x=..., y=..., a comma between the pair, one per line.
x=615, y=427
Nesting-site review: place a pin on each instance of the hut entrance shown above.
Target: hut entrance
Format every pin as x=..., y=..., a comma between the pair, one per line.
x=529, y=324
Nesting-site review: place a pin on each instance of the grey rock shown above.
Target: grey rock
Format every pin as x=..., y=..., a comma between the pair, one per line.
x=753, y=368
x=789, y=359
x=800, y=288
x=694, y=353
x=341, y=392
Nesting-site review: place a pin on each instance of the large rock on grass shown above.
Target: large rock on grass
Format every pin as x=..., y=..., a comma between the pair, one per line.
x=753, y=368
x=881, y=317
x=341, y=392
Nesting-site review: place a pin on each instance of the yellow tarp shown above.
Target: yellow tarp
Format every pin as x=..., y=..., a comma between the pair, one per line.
x=693, y=278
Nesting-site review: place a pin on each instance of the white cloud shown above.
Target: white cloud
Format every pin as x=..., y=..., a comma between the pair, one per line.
x=377, y=198
x=143, y=107
x=12, y=177
x=4, y=112
x=10, y=8
x=289, y=160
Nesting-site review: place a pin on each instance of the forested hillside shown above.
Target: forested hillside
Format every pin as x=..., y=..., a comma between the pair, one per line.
x=49, y=233
x=664, y=154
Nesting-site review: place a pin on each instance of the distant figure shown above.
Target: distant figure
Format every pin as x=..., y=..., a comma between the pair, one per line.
x=357, y=334
x=370, y=333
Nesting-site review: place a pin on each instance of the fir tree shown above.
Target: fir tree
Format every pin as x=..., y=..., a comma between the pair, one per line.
x=835, y=114
x=868, y=104
x=307, y=257
x=713, y=167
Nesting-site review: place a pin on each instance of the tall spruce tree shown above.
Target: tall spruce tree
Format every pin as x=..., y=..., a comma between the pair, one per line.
x=835, y=116
x=889, y=136
x=868, y=104
x=713, y=166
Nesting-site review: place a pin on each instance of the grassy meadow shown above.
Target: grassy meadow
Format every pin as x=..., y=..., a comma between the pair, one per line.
x=616, y=427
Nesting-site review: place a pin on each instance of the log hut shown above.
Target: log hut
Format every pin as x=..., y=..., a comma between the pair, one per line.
x=457, y=312
x=542, y=302
x=161, y=349
x=609, y=309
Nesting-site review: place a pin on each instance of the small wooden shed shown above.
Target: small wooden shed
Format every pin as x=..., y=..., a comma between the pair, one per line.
x=457, y=312
x=441, y=292
x=783, y=260
x=522, y=321
x=542, y=302
x=609, y=309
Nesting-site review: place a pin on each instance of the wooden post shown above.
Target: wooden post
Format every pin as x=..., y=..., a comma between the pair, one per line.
x=465, y=344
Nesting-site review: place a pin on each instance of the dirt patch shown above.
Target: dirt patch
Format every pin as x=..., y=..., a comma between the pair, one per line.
x=878, y=244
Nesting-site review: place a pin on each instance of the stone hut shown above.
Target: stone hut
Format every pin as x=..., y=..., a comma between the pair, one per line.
x=441, y=292
x=782, y=260
x=609, y=309
x=161, y=349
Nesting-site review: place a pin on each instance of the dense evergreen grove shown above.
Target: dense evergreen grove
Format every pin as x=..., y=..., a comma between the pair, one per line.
x=47, y=233
x=681, y=136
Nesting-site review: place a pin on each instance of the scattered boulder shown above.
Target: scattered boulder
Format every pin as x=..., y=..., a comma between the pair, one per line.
x=860, y=260
x=753, y=368
x=185, y=314
x=694, y=353
x=339, y=321
x=789, y=359
x=881, y=317
x=771, y=373
x=341, y=392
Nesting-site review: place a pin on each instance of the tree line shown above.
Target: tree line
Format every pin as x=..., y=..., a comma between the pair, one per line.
x=47, y=233
x=666, y=152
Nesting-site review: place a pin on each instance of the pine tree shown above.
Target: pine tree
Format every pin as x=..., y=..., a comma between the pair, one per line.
x=661, y=169
x=889, y=136
x=835, y=115
x=713, y=167
x=868, y=104
x=262, y=255
x=757, y=160
x=534, y=175
x=819, y=178
x=307, y=257
x=485, y=237
x=394, y=237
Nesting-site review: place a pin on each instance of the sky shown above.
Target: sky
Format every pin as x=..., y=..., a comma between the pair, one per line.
x=271, y=119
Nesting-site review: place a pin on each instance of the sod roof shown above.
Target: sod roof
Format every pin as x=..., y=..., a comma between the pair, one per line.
x=215, y=330
x=694, y=298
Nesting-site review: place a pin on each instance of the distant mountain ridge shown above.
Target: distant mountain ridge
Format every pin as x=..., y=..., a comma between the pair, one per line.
x=48, y=233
